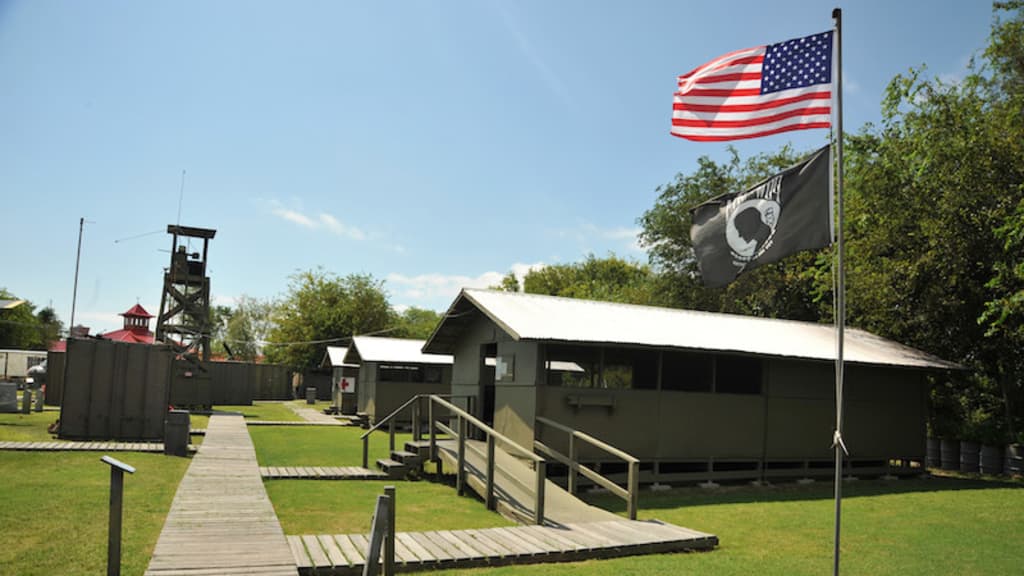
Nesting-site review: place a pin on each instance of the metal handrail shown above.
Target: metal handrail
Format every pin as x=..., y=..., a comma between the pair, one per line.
x=389, y=419
x=485, y=428
x=464, y=418
x=631, y=494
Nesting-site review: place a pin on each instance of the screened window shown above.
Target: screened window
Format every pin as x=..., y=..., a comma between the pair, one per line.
x=687, y=371
x=400, y=373
x=573, y=366
x=738, y=375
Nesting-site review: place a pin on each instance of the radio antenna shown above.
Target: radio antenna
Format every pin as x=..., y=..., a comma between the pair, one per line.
x=181, y=195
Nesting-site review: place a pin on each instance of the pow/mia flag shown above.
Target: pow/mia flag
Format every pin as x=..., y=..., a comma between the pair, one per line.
x=786, y=213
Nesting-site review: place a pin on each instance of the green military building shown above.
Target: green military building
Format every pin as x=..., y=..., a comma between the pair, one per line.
x=693, y=395
x=393, y=370
x=344, y=379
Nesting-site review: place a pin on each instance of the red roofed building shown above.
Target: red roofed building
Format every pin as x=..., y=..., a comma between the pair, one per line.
x=136, y=327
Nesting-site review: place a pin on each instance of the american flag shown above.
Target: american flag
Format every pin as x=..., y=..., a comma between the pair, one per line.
x=757, y=92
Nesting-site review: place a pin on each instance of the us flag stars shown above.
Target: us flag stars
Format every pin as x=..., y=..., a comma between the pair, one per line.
x=797, y=63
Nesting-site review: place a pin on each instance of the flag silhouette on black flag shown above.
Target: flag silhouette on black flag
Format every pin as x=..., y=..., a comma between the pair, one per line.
x=783, y=214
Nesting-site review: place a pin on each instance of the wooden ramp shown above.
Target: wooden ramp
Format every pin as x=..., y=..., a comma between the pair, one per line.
x=221, y=520
x=321, y=473
x=344, y=554
x=514, y=481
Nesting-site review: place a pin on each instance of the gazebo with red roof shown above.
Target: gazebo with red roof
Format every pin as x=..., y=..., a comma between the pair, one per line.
x=136, y=327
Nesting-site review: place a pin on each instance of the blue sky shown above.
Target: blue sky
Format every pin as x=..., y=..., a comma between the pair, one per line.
x=432, y=144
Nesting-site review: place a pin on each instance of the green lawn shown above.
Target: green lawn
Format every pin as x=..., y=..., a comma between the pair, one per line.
x=54, y=512
x=27, y=427
x=937, y=526
x=318, y=445
x=272, y=411
x=345, y=507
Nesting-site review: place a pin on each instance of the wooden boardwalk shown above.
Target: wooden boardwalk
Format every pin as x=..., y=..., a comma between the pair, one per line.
x=295, y=423
x=66, y=445
x=344, y=554
x=221, y=520
x=313, y=415
x=321, y=473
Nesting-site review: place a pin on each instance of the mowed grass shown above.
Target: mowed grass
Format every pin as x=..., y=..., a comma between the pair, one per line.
x=55, y=509
x=928, y=527
x=346, y=507
x=270, y=411
x=29, y=427
x=319, y=445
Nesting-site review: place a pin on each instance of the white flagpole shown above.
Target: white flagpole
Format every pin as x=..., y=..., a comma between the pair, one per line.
x=840, y=297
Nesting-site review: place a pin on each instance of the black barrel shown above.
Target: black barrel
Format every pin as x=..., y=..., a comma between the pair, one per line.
x=949, y=454
x=1014, y=462
x=931, y=458
x=969, y=457
x=991, y=460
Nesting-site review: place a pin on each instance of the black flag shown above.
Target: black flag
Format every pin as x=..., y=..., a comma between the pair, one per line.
x=786, y=213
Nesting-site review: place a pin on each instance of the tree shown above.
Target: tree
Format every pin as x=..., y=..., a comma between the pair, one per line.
x=219, y=317
x=50, y=326
x=321, y=308
x=509, y=283
x=934, y=198
x=19, y=326
x=417, y=323
x=611, y=279
x=248, y=327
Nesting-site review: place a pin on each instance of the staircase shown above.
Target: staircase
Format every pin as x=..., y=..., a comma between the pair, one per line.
x=402, y=463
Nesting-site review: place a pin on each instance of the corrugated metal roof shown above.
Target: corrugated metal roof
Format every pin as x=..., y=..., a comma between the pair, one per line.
x=10, y=304
x=536, y=317
x=398, y=350
x=336, y=356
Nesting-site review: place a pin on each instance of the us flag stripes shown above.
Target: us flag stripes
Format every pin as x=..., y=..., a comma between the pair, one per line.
x=757, y=92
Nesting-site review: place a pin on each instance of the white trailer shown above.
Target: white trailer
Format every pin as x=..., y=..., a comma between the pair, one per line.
x=14, y=364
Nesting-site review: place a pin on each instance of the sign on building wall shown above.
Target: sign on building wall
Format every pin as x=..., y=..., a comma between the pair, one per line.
x=347, y=384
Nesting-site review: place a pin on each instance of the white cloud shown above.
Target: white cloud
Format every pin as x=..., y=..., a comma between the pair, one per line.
x=621, y=237
x=439, y=290
x=317, y=221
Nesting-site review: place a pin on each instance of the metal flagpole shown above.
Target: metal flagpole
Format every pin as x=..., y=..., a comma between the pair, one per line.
x=840, y=313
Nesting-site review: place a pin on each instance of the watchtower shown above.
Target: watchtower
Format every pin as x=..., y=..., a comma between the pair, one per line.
x=184, y=320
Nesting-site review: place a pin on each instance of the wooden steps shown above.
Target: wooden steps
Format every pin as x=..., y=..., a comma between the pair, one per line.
x=344, y=554
x=320, y=473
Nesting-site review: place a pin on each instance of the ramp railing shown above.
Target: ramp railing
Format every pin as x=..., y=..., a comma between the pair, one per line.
x=630, y=494
x=413, y=404
x=461, y=432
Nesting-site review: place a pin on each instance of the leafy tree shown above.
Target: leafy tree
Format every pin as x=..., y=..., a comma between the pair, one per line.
x=934, y=198
x=417, y=323
x=50, y=326
x=19, y=326
x=248, y=327
x=611, y=279
x=219, y=317
x=509, y=283
x=321, y=308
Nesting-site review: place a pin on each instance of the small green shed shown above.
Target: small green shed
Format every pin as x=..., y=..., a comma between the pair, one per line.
x=393, y=370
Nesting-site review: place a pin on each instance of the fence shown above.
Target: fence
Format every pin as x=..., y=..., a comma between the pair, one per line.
x=114, y=390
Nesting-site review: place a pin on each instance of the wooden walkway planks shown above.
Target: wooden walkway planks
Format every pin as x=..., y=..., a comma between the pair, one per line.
x=295, y=423
x=321, y=473
x=342, y=554
x=70, y=445
x=221, y=520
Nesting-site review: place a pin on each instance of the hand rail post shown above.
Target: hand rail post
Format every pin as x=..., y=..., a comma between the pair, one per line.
x=432, y=453
x=416, y=420
x=489, y=496
x=573, y=463
x=391, y=435
x=389, y=538
x=538, y=517
x=634, y=489
x=460, y=474
x=366, y=451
